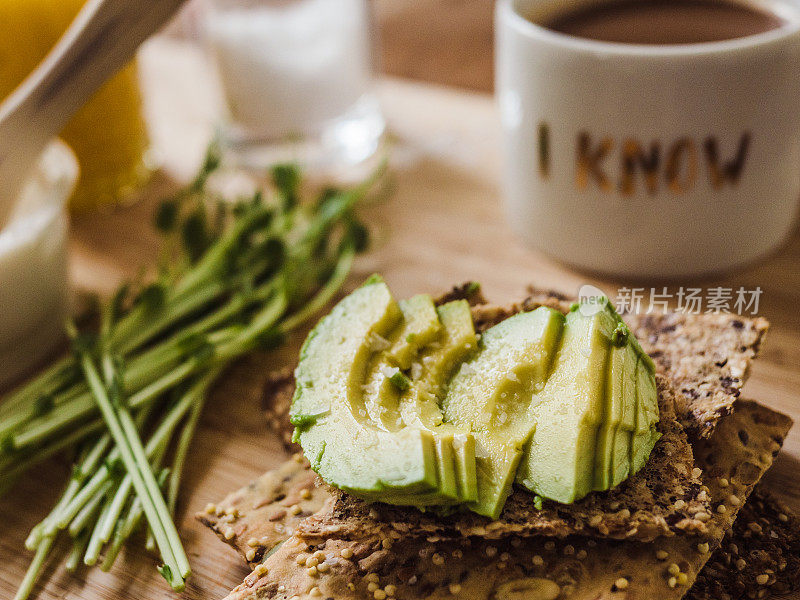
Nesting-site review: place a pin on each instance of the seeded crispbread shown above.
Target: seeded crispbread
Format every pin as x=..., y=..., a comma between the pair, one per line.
x=264, y=513
x=643, y=507
x=659, y=333
x=277, y=400
x=469, y=291
x=581, y=568
x=707, y=357
x=758, y=558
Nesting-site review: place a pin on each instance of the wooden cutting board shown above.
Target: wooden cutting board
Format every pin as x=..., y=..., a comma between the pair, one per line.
x=444, y=224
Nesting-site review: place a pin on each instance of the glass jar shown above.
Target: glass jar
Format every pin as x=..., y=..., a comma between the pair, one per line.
x=297, y=78
x=108, y=135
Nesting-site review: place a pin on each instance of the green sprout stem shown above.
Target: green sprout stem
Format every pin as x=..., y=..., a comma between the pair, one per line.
x=232, y=278
x=119, y=424
x=79, y=544
x=35, y=568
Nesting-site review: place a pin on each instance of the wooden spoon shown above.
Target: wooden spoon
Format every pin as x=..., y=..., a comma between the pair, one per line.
x=100, y=41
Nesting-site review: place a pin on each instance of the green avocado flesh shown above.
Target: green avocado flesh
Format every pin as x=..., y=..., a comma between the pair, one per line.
x=402, y=402
x=490, y=395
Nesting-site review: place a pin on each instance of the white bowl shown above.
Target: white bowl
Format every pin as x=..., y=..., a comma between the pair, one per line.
x=34, y=298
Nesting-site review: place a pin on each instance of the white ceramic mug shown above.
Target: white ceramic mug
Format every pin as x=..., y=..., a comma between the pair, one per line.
x=655, y=161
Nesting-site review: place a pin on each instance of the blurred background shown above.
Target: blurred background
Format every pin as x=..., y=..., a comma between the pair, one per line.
x=448, y=42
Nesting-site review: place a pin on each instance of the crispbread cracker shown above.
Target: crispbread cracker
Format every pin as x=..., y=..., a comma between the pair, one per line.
x=264, y=513
x=643, y=507
x=759, y=557
x=277, y=400
x=469, y=291
x=707, y=358
x=583, y=569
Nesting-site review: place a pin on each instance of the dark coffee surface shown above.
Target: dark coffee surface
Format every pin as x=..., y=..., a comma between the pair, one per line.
x=665, y=21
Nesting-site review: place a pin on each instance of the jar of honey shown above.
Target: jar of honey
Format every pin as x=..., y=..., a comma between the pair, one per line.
x=108, y=134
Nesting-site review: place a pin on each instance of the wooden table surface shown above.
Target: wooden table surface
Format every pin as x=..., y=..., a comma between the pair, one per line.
x=444, y=224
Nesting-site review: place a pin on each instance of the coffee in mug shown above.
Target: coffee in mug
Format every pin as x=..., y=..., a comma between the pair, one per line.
x=653, y=153
x=665, y=21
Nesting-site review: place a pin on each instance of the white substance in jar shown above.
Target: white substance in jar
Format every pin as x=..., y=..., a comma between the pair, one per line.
x=33, y=265
x=288, y=68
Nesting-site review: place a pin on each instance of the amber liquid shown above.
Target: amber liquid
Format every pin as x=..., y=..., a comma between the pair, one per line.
x=108, y=134
x=665, y=21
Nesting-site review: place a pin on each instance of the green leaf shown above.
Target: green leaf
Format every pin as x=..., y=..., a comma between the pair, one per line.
x=358, y=236
x=620, y=336
x=211, y=162
x=7, y=444
x=374, y=278
x=271, y=339
x=472, y=288
x=195, y=235
x=325, y=195
x=400, y=381
x=166, y=219
x=166, y=573
x=286, y=178
x=205, y=353
x=84, y=343
x=275, y=251
x=119, y=300
x=306, y=421
x=152, y=297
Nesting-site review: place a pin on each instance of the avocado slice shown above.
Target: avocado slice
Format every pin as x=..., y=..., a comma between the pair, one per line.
x=436, y=341
x=422, y=326
x=559, y=459
x=447, y=492
x=491, y=395
x=645, y=435
x=615, y=391
x=612, y=450
x=466, y=467
x=621, y=465
x=419, y=406
x=328, y=411
x=398, y=402
x=437, y=363
x=386, y=380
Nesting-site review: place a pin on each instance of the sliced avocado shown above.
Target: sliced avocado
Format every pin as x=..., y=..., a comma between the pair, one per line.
x=447, y=492
x=559, y=460
x=331, y=421
x=491, y=395
x=422, y=326
x=399, y=403
x=620, y=464
x=437, y=363
x=620, y=406
x=419, y=406
x=645, y=435
x=466, y=467
x=386, y=380
x=436, y=347
x=615, y=391
x=445, y=456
